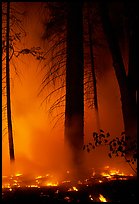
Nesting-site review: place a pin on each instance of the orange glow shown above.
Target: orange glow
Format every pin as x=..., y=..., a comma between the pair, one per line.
x=109, y=173
x=51, y=184
x=79, y=182
x=73, y=189
x=101, y=198
x=32, y=186
x=38, y=147
x=38, y=177
x=18, y=174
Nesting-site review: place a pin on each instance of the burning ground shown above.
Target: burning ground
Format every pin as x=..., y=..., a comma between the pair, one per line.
x=108, y=186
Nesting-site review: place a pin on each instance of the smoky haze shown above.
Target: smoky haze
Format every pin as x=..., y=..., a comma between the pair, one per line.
x=38, y=147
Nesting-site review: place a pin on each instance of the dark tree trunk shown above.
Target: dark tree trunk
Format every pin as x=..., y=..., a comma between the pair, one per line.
x=74, y=110
x=126, y=97
x=90, y=33
x=133, y=64
x=9, y=119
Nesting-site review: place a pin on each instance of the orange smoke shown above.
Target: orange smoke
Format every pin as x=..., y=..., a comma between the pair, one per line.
x=38, y=148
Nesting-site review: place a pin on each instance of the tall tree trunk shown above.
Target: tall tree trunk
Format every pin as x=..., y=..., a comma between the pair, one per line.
x=126, y=96
x=9, y=119
x=74, y=110
x=133, y=64
x=90, y=32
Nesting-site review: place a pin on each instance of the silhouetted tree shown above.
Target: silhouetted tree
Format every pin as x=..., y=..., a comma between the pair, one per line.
x=10, y=36
x=74, y=108
x=126, y=83
x=9, y=119
x=92, y=62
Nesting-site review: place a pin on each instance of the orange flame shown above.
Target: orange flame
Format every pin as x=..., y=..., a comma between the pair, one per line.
x=101, y=198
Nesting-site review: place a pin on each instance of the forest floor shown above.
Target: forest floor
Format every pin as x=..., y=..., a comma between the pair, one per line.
x=121, y=189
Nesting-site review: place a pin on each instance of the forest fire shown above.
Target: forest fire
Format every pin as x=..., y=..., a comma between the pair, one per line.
x=84, y=83
x=47, y=186
x=20, y=180
x=112, y=174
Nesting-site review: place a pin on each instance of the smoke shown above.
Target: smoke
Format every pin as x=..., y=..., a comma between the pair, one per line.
x=38, y=148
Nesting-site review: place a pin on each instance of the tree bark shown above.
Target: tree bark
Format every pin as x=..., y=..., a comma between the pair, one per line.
x=133, y=64
x=9, y=119
x=127, y=99
x=90, y=32
x=74, y=110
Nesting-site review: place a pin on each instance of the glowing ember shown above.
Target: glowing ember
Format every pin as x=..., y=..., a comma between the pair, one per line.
x=20, y=180
x=90, y=196
x=32, y=186
x=38, y=177
x=6, y=185
x=67, y=198
x=110, y=173
x=101, y=198
x=51, y=184
x=79, y=182
x=17, y=174
x=57, y=191
x=65, y=181
x=73, y=189
x=130, y=174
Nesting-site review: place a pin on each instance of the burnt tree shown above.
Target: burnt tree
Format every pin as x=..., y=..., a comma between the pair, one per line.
x=9, y=119
x=74, y=108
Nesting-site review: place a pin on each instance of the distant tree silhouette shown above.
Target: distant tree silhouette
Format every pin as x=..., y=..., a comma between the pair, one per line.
x=92, y=61
x=9, y=119
x=10, y=37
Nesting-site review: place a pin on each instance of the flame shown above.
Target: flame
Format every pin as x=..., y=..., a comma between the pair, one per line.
x=68, y=181
x=38, y=177
x=50, y=180
x=51, y=184
x=101, y=198
x=32, y=186
x=6, y=185
x=18, y=174
x=109, y=173
x=73, y=189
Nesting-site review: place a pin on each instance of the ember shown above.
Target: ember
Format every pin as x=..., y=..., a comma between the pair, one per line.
x=45, y=187
x=113, y=174
x=20, y=180
x=102, y=199
x=73, y=189
x=90, y=196
x=52, y=184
